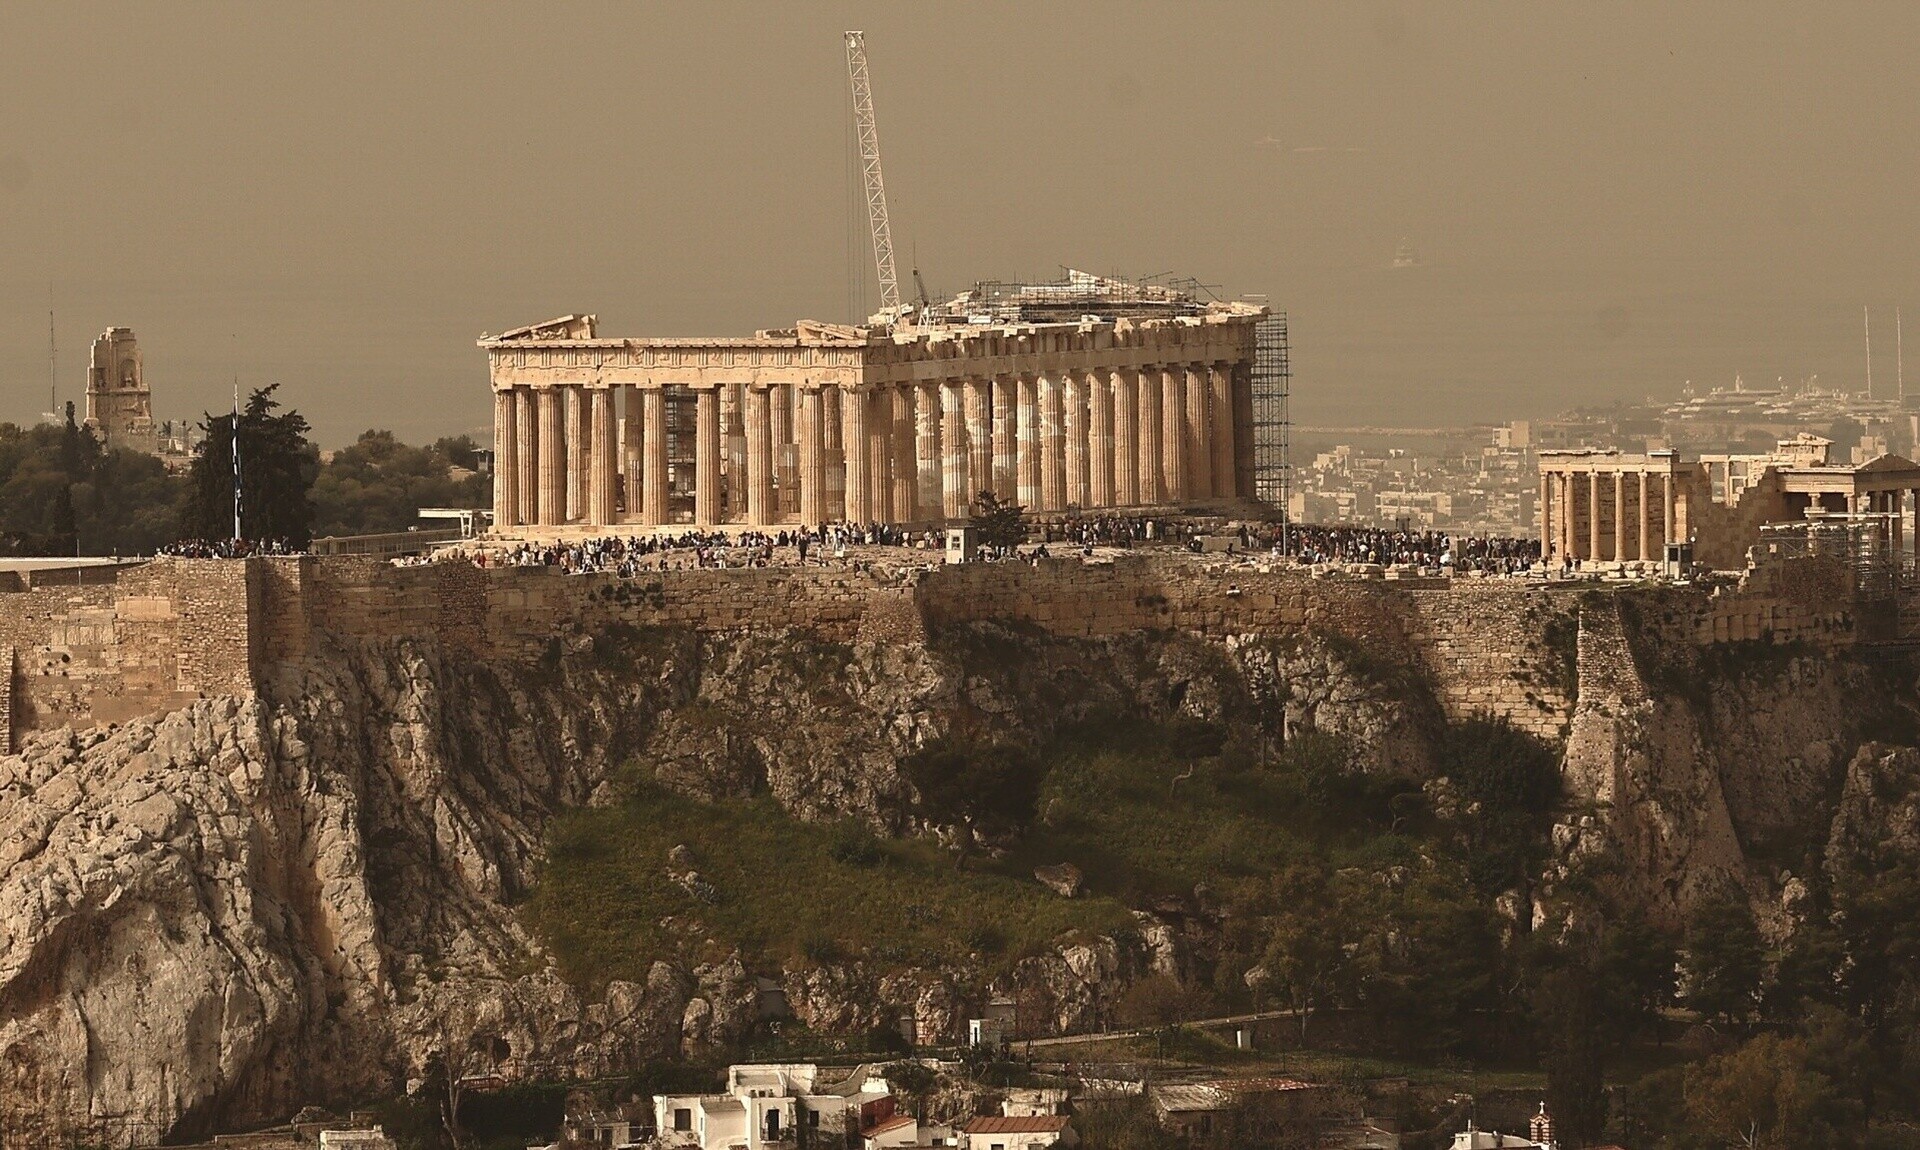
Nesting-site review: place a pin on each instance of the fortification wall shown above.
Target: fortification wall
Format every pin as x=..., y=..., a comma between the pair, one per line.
x=153, y=639
x=170, y=631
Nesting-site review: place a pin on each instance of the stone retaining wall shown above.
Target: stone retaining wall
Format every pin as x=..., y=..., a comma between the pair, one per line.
x=170, y=631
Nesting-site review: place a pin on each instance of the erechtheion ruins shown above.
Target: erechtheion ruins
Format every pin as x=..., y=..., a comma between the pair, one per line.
x=1087, y=394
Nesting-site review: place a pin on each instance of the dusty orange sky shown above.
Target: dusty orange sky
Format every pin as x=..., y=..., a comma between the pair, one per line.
x=1606, y=200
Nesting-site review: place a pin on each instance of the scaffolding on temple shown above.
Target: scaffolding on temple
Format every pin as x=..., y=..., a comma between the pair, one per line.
x=1272, y=426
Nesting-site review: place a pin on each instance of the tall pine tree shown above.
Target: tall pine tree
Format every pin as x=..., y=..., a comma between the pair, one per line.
x=277, y=468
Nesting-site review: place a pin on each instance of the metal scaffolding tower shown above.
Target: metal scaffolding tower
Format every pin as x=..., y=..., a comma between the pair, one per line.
x=1272, y=427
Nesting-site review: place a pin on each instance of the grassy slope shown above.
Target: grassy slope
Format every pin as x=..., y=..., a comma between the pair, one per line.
x=781, y=893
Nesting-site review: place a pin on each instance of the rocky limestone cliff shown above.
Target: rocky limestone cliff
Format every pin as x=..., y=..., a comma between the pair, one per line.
x=213, y=916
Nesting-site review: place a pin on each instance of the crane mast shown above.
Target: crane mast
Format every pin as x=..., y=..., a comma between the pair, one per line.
x=870, y=170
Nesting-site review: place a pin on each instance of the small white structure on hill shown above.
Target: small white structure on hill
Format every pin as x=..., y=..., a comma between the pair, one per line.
x=768, y=1104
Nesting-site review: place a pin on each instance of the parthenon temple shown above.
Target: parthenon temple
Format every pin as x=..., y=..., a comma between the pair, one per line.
x=1104, y=395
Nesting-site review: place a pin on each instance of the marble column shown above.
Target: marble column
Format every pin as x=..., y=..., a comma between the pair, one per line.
x=1645, y=523
x=906, y=472
x=733, y=453
x=760, y=509
x=1173, y=436
x=1199, y=436
x=813, y=459
x=1027, y=434
x=1593, y=515
x=853, y=435
x=879, y=455
x=954, y=497
x=1006, y=425
x=578, y=453
x=1053, y=464
x=1074, y=427
x=707, y=454
x=1148, y=434
x=506, y=462
x=553, y=458
x=1543, y=514
x=1569, y=509
x=786, y=463
x=1221, y=385
x=833, y=451
x=654, y=488
x=527, y=436
x=603, y=474
x=1619, y=516
x=979, y=400
x=926, y=418
x=632, y=448
x=1126, y=435
x=1099, y=440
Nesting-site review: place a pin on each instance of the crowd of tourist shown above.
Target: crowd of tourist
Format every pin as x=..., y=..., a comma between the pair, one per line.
x=226, y=548
x=831, y=543
x=1492, y=554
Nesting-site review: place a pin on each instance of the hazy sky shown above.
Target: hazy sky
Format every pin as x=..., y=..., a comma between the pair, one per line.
x=1606, y=199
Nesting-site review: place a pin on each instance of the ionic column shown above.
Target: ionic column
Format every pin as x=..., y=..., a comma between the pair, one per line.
x=979, y=436
x=1568, y=507
x=506, y=462
x=1543, y=514
x=707, y=449
x=926, y=418
x=1151, y=489
x=786, y=465
x=631, y=449
x=1645, y=521
x=653, y=449
x=813, y=459
x=906, y=481
x=604, y=471
x=1075, y=429
x=1199, y=446
x=1099, y=440
x=1027, y=434
x=1220, y=377
x=526, y=417
x=879, y=455
x=760, y=509
x=1126, y=439
x=579, y=453
x=853, y=434
x=954, y=496
x=1006, y=424
x=1173, y=436
x=1593, y=515
x=1619, y=516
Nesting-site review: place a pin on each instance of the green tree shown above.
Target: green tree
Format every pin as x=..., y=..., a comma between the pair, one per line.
x=277, y=469
x=980, y=787
x=1307, y=951
x=1724, y=958
x=998, y=524
x=1570, y=1011
x=1761, y=1096
x=380, y=484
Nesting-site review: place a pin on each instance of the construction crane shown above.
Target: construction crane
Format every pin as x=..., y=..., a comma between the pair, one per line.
x=870, y=171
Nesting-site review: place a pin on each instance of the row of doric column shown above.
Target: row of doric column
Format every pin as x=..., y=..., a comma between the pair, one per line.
x=1608, y=514
x=767, y=454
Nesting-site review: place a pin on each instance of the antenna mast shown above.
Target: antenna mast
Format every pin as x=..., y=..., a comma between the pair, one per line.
x=1866, y=317
x=1899, y=369
x=53, y=368
x=870, y=169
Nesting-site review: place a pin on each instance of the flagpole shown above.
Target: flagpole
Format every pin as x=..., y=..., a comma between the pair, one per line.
x=236, y=460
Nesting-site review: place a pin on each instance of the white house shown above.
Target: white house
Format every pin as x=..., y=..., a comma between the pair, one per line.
x=1027, y=1132
x=766, y=1105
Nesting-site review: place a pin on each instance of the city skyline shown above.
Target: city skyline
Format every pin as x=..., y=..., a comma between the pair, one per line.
x=1601, y=204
